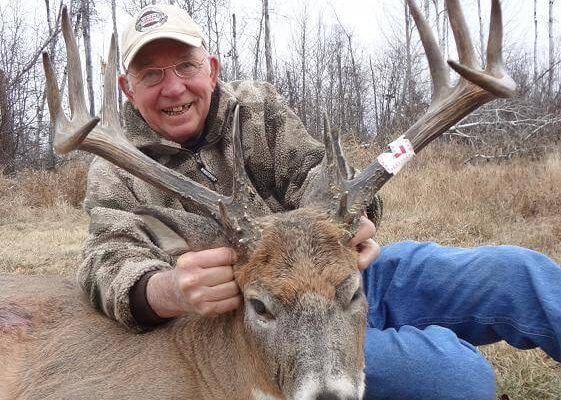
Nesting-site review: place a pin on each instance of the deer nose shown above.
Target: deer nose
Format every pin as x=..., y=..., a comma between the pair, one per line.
x=328, y=395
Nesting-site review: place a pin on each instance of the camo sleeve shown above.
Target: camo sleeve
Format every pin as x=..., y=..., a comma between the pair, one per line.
x=119, y=249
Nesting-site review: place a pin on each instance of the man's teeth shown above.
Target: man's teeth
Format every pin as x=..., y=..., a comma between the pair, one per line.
x=177, y=109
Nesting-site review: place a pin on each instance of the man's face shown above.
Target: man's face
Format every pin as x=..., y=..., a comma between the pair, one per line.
x=176, y=108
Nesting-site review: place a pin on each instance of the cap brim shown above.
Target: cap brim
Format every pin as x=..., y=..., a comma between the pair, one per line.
x=190, y=40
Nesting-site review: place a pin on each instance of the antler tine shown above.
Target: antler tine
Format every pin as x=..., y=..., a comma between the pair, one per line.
x=69, y=134
x=437, y=66
x=53, y=97
x=495, y=64
x=343, y=169
x=332, y=158
x=110, y=114
x=461, y=34
x=449, y=105
x=238, y=212
x=75, y=82
x=495, y=80
x=62, y=143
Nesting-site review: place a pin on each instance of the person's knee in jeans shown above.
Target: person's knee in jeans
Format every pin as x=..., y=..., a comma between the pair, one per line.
x=429, y=364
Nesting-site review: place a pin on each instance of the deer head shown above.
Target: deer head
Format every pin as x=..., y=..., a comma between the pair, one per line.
x=304, y=313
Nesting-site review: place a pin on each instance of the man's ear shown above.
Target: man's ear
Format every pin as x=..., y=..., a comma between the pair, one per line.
x=214, y=70
x=124, y=84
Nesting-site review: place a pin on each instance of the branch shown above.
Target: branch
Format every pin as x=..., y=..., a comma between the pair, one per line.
x=506, y=155
x=33, y=60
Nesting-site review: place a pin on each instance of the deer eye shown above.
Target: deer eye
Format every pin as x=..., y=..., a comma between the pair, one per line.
x=260, y=309
x=357, y=295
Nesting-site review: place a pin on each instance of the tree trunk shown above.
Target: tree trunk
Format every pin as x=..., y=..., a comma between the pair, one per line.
x=551, y=51
x=7, y=138
x=268, y=56
x=481, y=33
x=86, y=13
x=291, y=90
x=535, y=41
x=375, y=95
x=407, y=89
x=356, y=81
x=116, y=34
x=257, y=50
x=303, y=72
x=235, y=60
x=340, y=93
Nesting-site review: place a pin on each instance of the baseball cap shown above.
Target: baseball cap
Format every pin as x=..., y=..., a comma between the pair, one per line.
x=160, y=21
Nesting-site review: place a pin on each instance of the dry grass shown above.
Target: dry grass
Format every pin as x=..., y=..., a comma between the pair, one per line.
x=42, y=228
x=437, y=198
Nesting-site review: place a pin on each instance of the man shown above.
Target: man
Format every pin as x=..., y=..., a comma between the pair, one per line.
x=427, y=303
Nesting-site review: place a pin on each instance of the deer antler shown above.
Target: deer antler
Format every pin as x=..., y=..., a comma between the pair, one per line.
x=235, y=213
x=347, y=195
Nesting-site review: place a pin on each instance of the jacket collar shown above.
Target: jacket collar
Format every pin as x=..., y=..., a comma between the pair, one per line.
x=147, y=140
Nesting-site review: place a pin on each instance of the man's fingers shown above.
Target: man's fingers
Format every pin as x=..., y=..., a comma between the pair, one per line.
x=199, y=277
x=222, y=292
x=208, y=258
x=366, y=230
x=369, y=250
x=219, y=307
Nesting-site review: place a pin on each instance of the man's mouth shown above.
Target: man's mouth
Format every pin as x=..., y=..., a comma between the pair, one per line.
x=176, y=110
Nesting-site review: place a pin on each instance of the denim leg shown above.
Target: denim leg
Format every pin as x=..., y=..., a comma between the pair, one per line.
x=482, y=294
x=429, y=364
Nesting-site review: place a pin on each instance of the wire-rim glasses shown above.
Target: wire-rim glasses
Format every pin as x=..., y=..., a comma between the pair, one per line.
x=151, y=76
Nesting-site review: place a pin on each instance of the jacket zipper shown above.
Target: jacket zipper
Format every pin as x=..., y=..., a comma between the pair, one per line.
x=200, y=163
x=204, y=170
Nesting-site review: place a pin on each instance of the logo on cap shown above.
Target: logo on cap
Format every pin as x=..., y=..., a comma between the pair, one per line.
x=150, y=18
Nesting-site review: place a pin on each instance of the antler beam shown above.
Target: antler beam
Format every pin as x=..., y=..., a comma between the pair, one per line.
x=450, y=104
x=107, y=140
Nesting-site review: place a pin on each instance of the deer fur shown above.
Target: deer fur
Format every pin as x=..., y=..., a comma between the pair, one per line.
x=54, y=345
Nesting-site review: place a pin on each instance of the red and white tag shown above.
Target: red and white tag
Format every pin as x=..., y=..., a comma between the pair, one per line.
x=401, y=151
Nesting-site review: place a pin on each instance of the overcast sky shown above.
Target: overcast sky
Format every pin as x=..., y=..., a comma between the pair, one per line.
x=370, y=21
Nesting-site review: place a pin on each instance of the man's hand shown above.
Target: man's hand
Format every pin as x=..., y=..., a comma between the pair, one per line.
x=202, y=282
x=363, y=241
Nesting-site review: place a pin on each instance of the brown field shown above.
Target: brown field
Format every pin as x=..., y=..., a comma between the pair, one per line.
x=437, y=198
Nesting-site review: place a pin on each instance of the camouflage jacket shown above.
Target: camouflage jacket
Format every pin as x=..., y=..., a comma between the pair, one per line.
x=278, y=154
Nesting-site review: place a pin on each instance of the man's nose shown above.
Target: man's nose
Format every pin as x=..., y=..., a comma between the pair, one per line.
x=172, y=85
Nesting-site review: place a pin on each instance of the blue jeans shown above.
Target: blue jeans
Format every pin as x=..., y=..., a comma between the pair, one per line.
x=429, y=305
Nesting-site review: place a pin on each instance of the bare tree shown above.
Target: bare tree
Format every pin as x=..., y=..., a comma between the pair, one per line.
x=551, y=50
x=234, y=51
x=86, y=12
x=535, y=40
x=407, y=82
x=116, y=34
x=257, y=50
x=268, y=56
x=481, y=32
x=7, y=139
x=375, y=95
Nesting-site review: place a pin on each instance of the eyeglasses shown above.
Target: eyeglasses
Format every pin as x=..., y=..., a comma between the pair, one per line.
x=154, y=75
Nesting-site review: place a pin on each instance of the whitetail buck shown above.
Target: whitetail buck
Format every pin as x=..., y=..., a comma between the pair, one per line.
x=300, y=332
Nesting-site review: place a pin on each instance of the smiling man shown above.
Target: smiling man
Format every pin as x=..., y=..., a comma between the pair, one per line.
x=427, y=304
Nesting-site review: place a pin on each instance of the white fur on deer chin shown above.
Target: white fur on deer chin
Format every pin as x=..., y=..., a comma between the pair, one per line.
x=259, y=395
x=339, y=385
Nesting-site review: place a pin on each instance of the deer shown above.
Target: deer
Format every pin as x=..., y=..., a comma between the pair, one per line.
x=299, y=334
